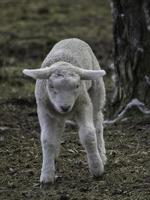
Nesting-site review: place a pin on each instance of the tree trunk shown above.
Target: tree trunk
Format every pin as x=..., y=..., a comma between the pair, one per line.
x=131, y=31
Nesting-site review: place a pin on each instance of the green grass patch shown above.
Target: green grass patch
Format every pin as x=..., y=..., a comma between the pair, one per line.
x=29, y=29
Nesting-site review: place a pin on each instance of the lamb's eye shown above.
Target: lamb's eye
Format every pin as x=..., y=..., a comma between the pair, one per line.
x=55, y=92
x=51, y=87
x=77, y=86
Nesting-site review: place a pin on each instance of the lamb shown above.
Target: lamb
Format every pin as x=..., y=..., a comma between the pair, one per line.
x=69, y=85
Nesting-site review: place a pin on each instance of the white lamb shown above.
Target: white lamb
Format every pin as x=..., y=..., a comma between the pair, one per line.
x=70, y=86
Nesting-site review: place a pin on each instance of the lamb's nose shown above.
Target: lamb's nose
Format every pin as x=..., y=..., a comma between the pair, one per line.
x=65, y=108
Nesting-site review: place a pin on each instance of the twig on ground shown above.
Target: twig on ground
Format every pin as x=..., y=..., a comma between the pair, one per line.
x=133, y=103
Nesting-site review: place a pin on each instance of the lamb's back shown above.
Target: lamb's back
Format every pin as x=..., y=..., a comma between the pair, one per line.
x=74, y=51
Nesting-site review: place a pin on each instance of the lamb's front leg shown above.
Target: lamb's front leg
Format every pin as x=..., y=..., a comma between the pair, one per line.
x=50, y=142
x=88, y=139
x=48, y=165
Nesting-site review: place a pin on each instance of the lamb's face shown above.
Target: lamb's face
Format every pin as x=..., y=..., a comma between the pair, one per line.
x=63, y=83
x=63, y=90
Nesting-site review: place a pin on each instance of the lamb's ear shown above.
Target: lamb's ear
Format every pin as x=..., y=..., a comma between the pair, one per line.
x=42, y=73
x=91, y=74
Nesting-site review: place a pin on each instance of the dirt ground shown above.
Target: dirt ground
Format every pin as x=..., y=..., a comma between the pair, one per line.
x=127, y=173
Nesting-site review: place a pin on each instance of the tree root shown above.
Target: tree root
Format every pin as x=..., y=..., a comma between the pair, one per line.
x=133, y=103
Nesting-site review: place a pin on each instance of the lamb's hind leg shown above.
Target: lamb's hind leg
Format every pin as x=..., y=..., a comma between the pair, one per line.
x=98, y=120
x=97, y=95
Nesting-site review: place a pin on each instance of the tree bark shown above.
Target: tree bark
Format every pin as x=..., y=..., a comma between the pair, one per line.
x=131, y=32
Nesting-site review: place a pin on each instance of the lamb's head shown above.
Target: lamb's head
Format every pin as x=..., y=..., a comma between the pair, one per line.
x=63, y=83
x=63, y=89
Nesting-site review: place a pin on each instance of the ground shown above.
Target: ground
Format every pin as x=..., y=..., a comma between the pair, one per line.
x=126, y=173
x=28, y=31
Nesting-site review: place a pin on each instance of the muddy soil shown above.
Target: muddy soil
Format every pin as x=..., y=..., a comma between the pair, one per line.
x=127, y=173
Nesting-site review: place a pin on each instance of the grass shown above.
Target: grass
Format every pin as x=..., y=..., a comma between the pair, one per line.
x=29, y=29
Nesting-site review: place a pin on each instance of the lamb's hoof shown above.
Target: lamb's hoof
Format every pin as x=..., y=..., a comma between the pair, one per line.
x=97, y=173
x=47, y=179
x=45, y=186
x=97, y=169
